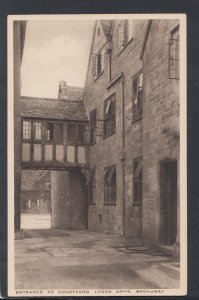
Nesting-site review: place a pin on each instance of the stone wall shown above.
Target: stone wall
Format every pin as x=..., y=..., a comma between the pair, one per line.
x=146, y=138
x=69, y=200
x=160, y=122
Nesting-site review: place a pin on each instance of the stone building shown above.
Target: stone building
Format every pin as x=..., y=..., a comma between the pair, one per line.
x=132, y=100
x=113, y=147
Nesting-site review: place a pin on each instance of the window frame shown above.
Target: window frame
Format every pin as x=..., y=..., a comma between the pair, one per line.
x=176, y=59
x=111, y=187
x=137, y=181
x=110, y=119
x=123, y=24
x=59, y=138
x=49, y=141
x=96, y=70
x=35, y=139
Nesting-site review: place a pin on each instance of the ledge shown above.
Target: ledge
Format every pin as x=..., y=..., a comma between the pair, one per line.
x=125, y=46
x=98, y=76
x=120, y=75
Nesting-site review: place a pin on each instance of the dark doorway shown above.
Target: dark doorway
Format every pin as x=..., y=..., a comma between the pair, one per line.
x=168, y=198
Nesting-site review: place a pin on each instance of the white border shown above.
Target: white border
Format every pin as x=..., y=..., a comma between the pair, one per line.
x=183, y=156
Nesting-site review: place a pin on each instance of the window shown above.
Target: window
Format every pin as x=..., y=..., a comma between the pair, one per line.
x=80, y=133
x=49, y=132
x=93, y=126
x=122, y=34
x=137, y=180
x=110, y=185
x=109, y=116
x=98, y=63
x=59, y=133
x=71, y=132
x=92, y=188
x=174, y=54
x=26, y=130
x=137, y=97
x=37, y=130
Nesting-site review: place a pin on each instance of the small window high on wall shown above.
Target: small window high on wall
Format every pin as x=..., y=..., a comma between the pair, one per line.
x=174, y=54
x=137, y=180
x=98, y=63
x=125, y=33
x=110, y=185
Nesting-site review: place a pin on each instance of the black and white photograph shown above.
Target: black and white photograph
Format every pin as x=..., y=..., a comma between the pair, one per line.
x=97, y=155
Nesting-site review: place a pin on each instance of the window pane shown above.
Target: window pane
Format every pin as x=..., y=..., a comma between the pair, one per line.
x=109, y=116
x=37, y=130
x=59, y=133
x=71, y=132
x=80, y=133
x=26, y=130
x=49, y=132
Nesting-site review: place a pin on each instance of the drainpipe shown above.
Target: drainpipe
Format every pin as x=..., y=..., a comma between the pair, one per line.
x=123, y=155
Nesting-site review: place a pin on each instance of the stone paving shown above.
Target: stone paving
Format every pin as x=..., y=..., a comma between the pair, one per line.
x=66, y=259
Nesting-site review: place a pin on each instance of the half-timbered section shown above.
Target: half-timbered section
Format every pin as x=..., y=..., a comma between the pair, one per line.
x=53, y=133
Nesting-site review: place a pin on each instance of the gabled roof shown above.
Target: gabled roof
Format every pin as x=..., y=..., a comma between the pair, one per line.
x=107, y=27
x=53, y=109
x=70, y=93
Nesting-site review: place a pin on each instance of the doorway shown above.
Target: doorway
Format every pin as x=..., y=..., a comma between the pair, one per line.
x=168, y=201
x=35, y=202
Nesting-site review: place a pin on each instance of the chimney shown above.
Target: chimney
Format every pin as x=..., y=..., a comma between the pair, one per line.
x=62, y=90
x=62, y=84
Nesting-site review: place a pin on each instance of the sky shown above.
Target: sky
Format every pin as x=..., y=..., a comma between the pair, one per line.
x=55, y=51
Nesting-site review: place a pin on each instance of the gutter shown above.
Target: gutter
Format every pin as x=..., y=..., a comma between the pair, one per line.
x=121, y=77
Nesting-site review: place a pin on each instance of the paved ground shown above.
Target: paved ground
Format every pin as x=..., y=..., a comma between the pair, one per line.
x=35, y=221
x=64, y=259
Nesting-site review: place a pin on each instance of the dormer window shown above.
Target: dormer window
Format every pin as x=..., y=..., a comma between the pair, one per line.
x=125, y=33
x=98, y=63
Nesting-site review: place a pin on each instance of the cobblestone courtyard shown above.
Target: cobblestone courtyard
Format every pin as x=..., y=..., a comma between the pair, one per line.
x=64, y=259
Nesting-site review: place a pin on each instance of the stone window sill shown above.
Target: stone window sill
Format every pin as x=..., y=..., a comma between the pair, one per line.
x=98, y=76
x=125, y=46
